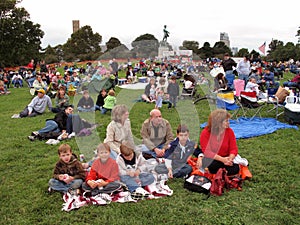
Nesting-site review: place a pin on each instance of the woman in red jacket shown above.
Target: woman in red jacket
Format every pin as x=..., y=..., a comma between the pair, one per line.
x=218, y=143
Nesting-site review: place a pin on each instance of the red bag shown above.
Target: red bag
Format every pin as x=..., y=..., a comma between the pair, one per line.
x=218, y=182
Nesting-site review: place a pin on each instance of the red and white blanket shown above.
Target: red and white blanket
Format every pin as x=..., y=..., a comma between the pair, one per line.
x=74, y=201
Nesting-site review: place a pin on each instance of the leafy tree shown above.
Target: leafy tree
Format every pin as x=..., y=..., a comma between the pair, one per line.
x=115, y=49
x=53, y=54
x=191, y=45
x=298, y=35
x=242, y=52
x=220, y=49
x=112, y=43
x=84, y=44
x=118, y=52
x=274, y=44
x=20, y=39
x=254, y=55
x=145, y=45
x=205, y=51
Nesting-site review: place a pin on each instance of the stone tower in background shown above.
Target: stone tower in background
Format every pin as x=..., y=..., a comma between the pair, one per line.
x=76, y=25
x=225, y=38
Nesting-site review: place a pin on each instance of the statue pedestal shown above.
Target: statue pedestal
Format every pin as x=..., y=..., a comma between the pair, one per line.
x=161, y=50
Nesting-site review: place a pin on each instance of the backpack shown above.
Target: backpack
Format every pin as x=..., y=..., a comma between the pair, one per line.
x=48, y=135
x=218, y=182
x=197, y=183
x=84, y=132
x=221, y=181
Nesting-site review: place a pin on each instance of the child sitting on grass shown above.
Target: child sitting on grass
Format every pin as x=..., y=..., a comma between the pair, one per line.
x=133, y=171
x=176, y=157
x=109, y=102
x=68, y=172
x=104, y=174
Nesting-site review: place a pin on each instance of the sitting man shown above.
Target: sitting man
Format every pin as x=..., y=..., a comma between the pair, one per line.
x=86, y=103
x=157, y=135
x=38, y=83
x=268, y=79
x=37, y=105
x=293, y=83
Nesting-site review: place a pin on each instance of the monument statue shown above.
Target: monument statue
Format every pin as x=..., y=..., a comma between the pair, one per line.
x=166, y=34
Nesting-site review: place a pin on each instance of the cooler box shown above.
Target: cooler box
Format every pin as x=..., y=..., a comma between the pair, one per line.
x=292, y=113
x=143, y=79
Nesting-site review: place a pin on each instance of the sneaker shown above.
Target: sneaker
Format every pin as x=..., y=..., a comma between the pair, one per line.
x=239, y=160
x=52, y=142
x=15, y=116
x=140, y=194
x=73, y=134
x=32, y=138
x=50, y=190
x=35, y=133
x=63, y=136
x=142, y=191
x=137, y=196
x=74, y=192
x=87, y=194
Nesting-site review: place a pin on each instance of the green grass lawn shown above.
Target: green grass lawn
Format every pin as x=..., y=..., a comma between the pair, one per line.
x=271, y=197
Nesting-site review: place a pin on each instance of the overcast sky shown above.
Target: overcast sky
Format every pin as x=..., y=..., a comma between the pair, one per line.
x=248, y=23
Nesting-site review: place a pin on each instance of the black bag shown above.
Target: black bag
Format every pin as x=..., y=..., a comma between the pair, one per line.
x=198, y=184
x=48, y=135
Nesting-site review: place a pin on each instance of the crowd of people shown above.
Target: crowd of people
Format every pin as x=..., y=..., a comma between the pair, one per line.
x=118, y=160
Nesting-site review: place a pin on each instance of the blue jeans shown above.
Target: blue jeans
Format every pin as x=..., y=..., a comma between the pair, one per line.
x=30, y=81
x=133, y=182
x=97, y=107
x=104, y=110
x=61, y=186
x=81, y=109
x=289, y=84
x=230, y=78
x=183, y=171
x=51, y=125
x=148, y=151
x=243, y=77
x=19, y=82
x=172, y=100
x=275, y=84
x=113, y=154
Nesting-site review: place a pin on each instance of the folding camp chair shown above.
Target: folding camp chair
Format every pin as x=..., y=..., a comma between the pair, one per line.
x=276, y=97
x=250, y=105
x=239, y=85
x=226, y=100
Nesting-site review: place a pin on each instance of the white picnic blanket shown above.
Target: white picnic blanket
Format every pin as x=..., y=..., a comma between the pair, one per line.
x=136, y=86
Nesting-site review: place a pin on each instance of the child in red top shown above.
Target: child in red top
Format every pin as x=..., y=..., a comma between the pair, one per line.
x=104, y=174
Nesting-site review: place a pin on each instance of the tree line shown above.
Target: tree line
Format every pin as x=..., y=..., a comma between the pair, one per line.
x=20, y=41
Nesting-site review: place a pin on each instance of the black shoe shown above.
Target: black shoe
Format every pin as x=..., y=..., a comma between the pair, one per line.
x=147, y=156
x=87, y=194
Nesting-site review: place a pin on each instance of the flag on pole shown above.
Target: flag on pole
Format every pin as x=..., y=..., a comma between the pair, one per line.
x=262, y=48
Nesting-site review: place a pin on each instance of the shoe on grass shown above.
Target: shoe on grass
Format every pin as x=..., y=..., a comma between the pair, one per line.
x=32, y=138
x=15, y=116
x=35, y=133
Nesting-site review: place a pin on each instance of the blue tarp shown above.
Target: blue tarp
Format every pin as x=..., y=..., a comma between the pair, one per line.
x=246, y=127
